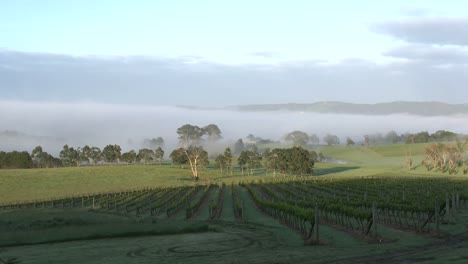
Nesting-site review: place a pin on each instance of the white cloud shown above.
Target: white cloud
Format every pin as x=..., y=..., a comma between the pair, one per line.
x=442, y=31
x=162, y=81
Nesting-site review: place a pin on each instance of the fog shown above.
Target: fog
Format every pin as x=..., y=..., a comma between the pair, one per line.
x=52, y=125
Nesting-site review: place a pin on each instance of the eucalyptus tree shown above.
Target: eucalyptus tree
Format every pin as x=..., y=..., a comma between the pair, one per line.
x=298, y=138
x=239, y=146
x=129, y=157
x=190, y=135
x=213, y=132
x=190, y=139
x=314, y=139
x=197, y=158
x=95, y=155
x=178, y=157
x=228, y=159
x=220, y=162
x=145, y=155
x=42, y=159
x=242, y=160
x=349, y=141
x=69, y=156
x=111, y=153
x=159, y=155
x=331, y=139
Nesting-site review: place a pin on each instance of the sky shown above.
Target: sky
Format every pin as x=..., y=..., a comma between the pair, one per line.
x=217, y=53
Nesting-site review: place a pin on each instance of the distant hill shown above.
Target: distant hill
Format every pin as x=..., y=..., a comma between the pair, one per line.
x=413, y=108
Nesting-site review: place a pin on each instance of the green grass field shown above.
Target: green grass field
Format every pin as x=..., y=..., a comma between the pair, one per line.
x=85, y=235
x=34, y=184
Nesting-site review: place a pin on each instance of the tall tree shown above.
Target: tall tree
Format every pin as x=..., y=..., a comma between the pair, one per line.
x=239, y=146
x=111, y=153
x=95, y=155
x=145, y=155
x=70, y=156
x=314, y=139
x=42, y=159
x=270, y=160
x=129, y=157
x=37, y=156
x=349, y=142
x=190, y=135
x=331, y=139
x=220, y=162
x=295, y=160
x=243, y=159
x=159, y=155
x=213, y=132
x=254, y=161
x=153, y=143
x=392, y=137
x=228, y=158
x=298, y=138
x=86, y=153
x=178, y=157
x=197, y=158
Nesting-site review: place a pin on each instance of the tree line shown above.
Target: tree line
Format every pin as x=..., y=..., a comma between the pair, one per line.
x=191, y=153
x=75, y=157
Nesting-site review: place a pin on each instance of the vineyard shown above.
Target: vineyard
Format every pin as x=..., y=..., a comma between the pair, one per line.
x=317, y=211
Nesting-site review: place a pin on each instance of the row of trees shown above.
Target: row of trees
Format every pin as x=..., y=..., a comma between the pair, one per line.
x=300, y=138
x=15, y=160
x=295, y=160
x=422, y=137
x=110, y=154
x=71, y=157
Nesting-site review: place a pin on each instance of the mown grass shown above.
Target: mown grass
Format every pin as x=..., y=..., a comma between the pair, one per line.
x=37, y=184
x=28, y=227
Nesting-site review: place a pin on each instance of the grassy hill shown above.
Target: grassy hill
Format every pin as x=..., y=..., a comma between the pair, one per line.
x=374, y=155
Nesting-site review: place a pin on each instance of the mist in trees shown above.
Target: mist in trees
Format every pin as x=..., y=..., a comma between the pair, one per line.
x=298, y=138
x=331, y=139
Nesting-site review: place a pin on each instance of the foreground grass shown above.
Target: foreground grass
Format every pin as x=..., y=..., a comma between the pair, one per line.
x=19, y=228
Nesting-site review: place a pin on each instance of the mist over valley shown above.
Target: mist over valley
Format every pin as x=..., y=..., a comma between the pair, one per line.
x=53, y=125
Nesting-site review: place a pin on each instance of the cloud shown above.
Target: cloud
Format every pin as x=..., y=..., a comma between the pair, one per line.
x=182, y=81
x=431, y=54
x=265, y=54
x=414, y=11
x=442, y=31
